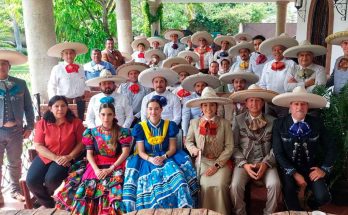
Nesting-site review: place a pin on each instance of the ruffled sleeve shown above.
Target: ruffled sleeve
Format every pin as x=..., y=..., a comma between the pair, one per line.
x=138, y=133
x=172, y=129
x=125, y=138
x=87, y=139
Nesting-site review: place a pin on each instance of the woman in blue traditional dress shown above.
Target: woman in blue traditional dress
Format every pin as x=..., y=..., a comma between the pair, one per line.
x=157, y=175
x=97, y=187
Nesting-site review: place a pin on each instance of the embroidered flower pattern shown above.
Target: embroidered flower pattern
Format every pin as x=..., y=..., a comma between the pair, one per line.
x=11, y=87
x=305, y=73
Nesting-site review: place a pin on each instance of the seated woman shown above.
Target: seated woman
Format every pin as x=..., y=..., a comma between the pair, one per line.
x=97, y=187
x=58, y=141
x=210, y=138
x=157, y=175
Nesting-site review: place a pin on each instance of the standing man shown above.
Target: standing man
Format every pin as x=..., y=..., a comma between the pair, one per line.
x=202, y=40
x=112, y=55
x=225, y=42
x=15, y=103
x=172, y=48
x=243, y=50
x=94, y=67
x=258, y=60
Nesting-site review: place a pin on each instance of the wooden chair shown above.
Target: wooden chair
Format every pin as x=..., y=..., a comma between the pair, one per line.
x=29, y=200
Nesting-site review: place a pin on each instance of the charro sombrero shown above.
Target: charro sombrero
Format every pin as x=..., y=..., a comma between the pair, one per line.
x=136, y=42
x=105, y=75
x=299, y=93
x=159, y=53
x=234, y=51
x=13, y=57
x=253, y=91
x=337, y=38
x=201, y=34
x=56, y=50
x=208, y=96
x=189, y=82
x=145, y=78
x=305, y=46
x=238, y=37
x=185, y=39
x=124, y=69
x=169, y=32
x=193, y=55
x=283, y=39
x=168, y=63
x=218, y=40
x=248, y=76
x=191, y=70
x=160, y=40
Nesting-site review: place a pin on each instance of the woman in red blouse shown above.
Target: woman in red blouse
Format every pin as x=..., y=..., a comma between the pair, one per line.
x=57, y=140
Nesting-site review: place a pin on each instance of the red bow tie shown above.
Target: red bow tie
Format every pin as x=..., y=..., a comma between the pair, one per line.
x=141, y=55
x=70, y=68
x=208, y=127
x=261, y=59
x=183, y=93
x=134, y=88
x=278, y=66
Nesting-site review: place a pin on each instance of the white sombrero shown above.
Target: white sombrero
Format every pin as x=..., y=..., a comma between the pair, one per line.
x=240, y=35
x=173, y=31
x=248, y=76
x=208, y=96
x=140, y=37
x=13, y=57
x=189, y=82
x=234, y=51
x=337, y=38
x=145, y=78
x=193, y=55
x=300, y=94
x=144, y=41
x=105, y=75
x=56, y=50
x=201, y=34
x=124, y=69
x=305, y=46
x=283, y=39
x=218, y=40
x=253, y=91
x=160, y=40
x=127, y=57
x=185, y=39
x=191, y=70
x=173, y=60
x=159, y=53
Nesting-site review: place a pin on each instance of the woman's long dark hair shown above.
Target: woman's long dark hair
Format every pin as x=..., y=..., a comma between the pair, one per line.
x=48, y=115
x=115, y=127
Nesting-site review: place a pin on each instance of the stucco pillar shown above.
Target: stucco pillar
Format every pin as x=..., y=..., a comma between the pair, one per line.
x=281, y=17
x=155, y=27
x=40, y=36
x=124, y=25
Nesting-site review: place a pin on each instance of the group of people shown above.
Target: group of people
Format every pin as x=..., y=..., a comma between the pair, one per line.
x=243, y=112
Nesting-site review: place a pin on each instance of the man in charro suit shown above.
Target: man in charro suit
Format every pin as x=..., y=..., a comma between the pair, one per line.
x=112, y=55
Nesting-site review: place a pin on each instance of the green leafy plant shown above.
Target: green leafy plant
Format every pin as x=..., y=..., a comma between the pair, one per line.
x=149, y=18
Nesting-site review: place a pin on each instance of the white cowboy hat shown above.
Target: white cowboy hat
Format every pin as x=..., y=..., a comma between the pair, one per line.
x=218, y=40
x=144, y=41
x=201, y=34
x=234, y=51
x=191, y=70
x=160, y=40
x=124, y=69
x=337, y=38
x=173, y=60
x=169, y=32
x=185, y=39
x=13, y=57
x=145, y=78
x=248, y=76
x=159, y=53
x=127, y=57
x=304, y=46
x=56, y=50
x=283, y=39
x=299, y=93
x=193, y=55
x=239, y=35
x=189, y=82
x=253, y=91
x=208, y=96
x=105, y=75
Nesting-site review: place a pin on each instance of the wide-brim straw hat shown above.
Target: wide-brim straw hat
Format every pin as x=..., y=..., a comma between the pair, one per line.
x=169, y=32
x=234, y=51
x=127, y=57
x=56, y=50
x=191, y=70
x=124, y=69
x=283, y=39
x=239, y=35
x=185, y=39
x=105, y=75
x=136, y=42
x=337, y=38
x=193, y=55
x=160, y=40
x=248, y=76
x=13, y=57
x=173, y=60
x=201, y=34
x=189, y=82
x=305, y=46
x=253, y=91
x=145, y=78
x=208, y=96
x=159, y=53
x=218, y=40
x=300, y=94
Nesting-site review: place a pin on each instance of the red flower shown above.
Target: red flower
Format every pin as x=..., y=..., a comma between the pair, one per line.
x=183, y=93
x=278, y=66
x=141, y=55
x=70, y=68
x=134, y=88
x=261, y=59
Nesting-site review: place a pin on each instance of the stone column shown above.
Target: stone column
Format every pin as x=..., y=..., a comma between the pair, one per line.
x=124, y=25
x=40, y=36
x=155, y=27
x=281, y=17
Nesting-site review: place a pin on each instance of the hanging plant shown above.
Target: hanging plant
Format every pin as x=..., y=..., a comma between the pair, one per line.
x=149, y=18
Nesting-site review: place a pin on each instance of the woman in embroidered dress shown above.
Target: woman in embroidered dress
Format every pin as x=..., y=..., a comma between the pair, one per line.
x=210, y=139
x=157, y=175
x=97, y=187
